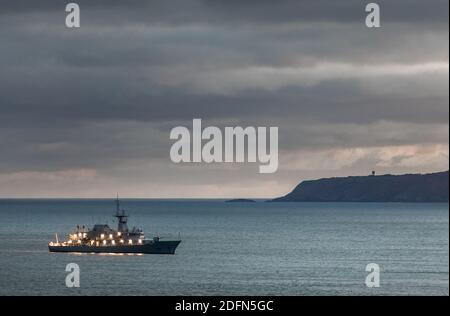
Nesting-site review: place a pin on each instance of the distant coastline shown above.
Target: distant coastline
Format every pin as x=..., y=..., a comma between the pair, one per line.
x=407, y=188
x=433, y=187
x=240, y=201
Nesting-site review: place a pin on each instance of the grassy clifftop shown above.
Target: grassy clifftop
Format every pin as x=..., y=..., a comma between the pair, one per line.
x=431, y=187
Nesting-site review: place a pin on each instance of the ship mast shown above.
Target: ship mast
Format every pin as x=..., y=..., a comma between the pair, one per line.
x=122, y=217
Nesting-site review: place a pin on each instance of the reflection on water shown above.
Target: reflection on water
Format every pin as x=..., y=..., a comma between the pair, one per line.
x=233, y=248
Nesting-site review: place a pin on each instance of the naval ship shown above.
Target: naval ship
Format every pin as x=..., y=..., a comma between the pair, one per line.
x=102, y=239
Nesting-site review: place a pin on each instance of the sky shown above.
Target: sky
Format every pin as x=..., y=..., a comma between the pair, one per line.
x=88, y=112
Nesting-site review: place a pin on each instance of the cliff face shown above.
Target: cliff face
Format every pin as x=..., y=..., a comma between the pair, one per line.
x=387, y=188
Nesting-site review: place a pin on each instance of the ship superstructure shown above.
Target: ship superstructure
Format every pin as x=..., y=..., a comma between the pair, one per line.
x=103, y=239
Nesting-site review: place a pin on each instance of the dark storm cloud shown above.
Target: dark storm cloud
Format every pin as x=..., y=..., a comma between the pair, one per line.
x=147, y=74
x=249, y=11
x=103, y=98
x=121, y=100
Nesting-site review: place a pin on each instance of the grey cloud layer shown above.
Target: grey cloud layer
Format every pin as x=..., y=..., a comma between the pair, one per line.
x=135, y=69
x=232, y=11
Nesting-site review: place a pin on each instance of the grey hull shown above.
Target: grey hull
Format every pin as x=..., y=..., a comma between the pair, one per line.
x=158, y=247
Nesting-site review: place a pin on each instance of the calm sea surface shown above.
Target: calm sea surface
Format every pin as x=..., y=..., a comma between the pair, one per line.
x=232, y=248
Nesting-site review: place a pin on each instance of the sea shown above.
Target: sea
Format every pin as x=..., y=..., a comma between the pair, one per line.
x=243, y=248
